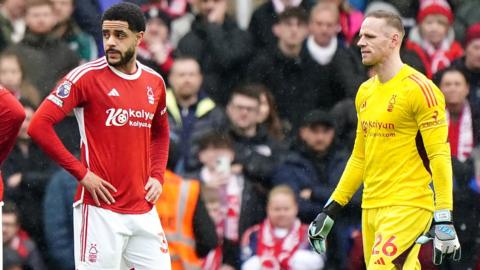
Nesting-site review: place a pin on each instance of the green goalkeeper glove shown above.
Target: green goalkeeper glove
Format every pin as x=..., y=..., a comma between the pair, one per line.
x=321, y=226
x=445, y=240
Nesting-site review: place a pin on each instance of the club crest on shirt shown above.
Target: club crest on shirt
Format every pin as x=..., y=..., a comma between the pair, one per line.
x=391, y=103
x=63, y=90
x=150, y=96
x=92, y=253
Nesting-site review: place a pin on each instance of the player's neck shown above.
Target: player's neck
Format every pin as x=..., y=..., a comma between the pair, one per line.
x=388, y=68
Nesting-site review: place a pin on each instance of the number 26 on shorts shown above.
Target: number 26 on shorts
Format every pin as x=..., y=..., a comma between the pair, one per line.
x=388, y=248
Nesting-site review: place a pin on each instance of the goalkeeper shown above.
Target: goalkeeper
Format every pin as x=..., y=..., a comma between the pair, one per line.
x=400, y=148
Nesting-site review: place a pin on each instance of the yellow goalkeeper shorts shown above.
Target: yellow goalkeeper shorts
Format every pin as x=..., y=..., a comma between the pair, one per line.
x=389, y=235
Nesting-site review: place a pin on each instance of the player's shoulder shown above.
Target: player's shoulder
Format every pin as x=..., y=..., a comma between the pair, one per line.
x=365, y=87
x=414, y=80
x=419, y=87
x=86, y=69
x=367, y=84
x=151, y=72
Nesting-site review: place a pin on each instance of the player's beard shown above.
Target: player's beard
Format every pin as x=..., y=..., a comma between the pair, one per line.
x=124, y=57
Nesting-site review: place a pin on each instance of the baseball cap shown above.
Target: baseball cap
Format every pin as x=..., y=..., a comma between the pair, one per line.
x=318, y=117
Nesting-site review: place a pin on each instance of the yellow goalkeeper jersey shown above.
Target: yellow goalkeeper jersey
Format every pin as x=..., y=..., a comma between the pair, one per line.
x=401, y=145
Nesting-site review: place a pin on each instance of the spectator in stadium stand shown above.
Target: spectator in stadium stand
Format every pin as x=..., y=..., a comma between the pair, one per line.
x=268, y=114
x=189, y=229
x=266, y=15
x=470, y=63
x=463, y=118
x=255, y=149
x=220, y=46
x=242, y=201
x=26, y=172
x=181, y=25
x=58, y=220
x=48, y=57
x=69, y=31
x=12, y=75
x=191, y=113
x=312, y=169
x=280, y=241
x=12, y=22
x=156, y=51
x=335, y=73
x=282, y=68
x=215, y=209
x=433, y=39
x=19, y=241
x=350, y=21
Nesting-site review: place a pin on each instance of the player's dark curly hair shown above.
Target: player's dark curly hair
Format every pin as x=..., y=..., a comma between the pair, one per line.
x=127, y=12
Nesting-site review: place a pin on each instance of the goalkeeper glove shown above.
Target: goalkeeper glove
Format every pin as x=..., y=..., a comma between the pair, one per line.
x=321, y=226
x=445, y=240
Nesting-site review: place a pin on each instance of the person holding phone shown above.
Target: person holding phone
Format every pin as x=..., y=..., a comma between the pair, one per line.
x=242, y=204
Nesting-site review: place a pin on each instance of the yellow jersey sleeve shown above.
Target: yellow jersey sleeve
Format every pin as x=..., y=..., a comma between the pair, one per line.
x=428, y=108
x=352, y=176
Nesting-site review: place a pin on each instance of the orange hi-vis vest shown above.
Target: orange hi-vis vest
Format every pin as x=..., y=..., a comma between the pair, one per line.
x=176, y=208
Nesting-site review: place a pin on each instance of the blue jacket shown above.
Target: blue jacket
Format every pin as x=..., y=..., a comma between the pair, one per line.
x=185, y=131
x=58, y=219
x=303, y=170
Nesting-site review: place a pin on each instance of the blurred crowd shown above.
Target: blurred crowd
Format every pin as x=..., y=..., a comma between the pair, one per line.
x=262, y=122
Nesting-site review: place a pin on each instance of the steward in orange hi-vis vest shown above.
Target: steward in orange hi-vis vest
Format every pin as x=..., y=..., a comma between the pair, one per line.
x=176, y=208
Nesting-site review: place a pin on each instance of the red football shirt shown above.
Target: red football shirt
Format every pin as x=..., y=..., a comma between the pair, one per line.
x=12, y=115
x=123, y=128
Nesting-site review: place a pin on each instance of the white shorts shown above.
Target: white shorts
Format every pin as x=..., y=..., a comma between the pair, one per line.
x=111, y=241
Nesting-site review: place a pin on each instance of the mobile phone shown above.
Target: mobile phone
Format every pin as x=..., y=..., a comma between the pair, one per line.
x=223, y=164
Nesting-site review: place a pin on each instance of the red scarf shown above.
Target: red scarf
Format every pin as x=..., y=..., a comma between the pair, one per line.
x=275, y=253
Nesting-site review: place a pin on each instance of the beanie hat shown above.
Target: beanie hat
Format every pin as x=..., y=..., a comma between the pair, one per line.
x=429, y=7
x=473, y=32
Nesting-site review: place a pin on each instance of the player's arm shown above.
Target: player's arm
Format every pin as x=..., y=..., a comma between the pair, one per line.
x=350, y=181
x=352, y=176
x=428, y=106
x=12, y=115
x=158, y=149
x=53, y=110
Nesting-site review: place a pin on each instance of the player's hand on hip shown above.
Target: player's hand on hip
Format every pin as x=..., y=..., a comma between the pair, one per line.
x=444, y=236
x=154, y=190
x=98, y=188
x=321, y=226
